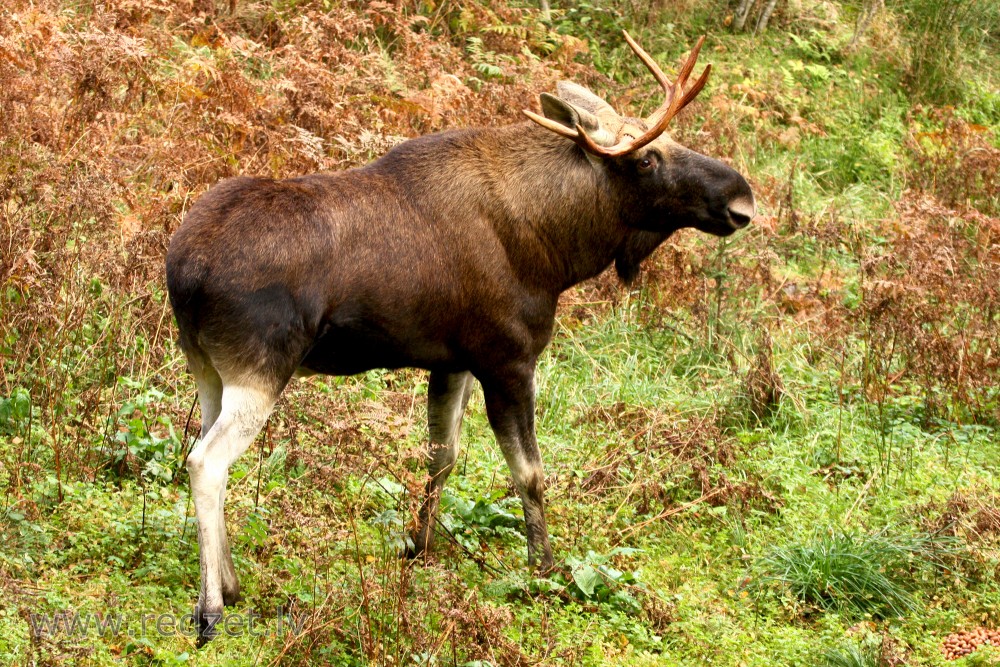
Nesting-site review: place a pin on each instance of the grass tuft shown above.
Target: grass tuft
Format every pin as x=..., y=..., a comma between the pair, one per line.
x=851, y=572
x=870, y=651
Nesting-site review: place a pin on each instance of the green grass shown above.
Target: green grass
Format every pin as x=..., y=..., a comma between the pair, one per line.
x=327, y=532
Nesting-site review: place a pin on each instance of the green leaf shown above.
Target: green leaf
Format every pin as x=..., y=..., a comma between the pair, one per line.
x=586, y=579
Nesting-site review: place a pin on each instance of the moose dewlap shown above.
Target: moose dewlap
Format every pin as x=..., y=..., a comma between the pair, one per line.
x=449, y=254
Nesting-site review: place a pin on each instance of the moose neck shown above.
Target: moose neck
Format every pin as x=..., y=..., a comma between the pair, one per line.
x=555, y=213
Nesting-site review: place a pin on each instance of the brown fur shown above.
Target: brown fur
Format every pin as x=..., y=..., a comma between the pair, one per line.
x=449, y=252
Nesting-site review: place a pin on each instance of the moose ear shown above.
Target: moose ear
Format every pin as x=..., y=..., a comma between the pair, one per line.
x=572, y=116
x=568, y=115
x=582, y=98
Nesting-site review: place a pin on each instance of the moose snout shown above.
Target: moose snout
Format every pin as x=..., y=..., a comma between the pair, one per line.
x=726, y=204
x=741, y=211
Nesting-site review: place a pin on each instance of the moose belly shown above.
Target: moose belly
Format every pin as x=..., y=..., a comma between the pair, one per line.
x=351, y=348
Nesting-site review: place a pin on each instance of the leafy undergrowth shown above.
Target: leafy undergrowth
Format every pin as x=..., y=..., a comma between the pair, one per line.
x=778, y=448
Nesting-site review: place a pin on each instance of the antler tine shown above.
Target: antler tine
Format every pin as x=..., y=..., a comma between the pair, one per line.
x=695, y=89
x=672, y=105
x=648, y=61
x=553, y=126
x=689, y=63
x=579, y=135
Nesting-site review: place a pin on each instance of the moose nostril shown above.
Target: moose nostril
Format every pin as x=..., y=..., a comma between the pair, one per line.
x=739, y=219
x=741, y=212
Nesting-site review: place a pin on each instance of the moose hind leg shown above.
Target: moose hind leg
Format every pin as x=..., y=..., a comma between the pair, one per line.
x=209, y=396
x=209, y=389
x=447, y=398
x=244, y=410
x=510, y=407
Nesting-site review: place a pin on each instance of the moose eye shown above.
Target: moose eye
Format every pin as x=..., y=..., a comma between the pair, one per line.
x=646, y=164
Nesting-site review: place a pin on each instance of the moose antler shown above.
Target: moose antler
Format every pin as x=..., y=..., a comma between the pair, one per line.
x=676, y=100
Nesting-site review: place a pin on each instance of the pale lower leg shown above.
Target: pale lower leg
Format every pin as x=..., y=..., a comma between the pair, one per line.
x=510, y=406
x=447, y=398
x=243, y=413
x=529, y=480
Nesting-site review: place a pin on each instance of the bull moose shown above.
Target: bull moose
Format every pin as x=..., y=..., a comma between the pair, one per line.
x=448, y=254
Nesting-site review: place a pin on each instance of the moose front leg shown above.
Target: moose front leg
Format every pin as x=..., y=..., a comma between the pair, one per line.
x=447, y=398
x=510, y=407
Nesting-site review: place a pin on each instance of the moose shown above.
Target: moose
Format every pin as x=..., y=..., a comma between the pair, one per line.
x=447, y=254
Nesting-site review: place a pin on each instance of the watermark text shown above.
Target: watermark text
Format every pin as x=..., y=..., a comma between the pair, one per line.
x=114, y=624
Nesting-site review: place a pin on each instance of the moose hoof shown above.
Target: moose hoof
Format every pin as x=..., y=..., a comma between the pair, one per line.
x=207, y=622
x=545, y=568
x=418, y=546
x=412, y=553
x=232, y=598
x=541, y=566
